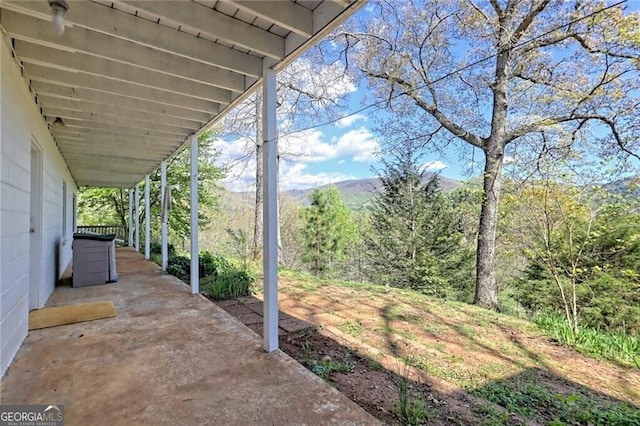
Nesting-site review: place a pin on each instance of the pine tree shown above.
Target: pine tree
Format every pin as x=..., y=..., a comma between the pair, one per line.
x=327, y=229
x=416, y=240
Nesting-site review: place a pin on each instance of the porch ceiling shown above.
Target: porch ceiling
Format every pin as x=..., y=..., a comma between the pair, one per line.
x=132, y=80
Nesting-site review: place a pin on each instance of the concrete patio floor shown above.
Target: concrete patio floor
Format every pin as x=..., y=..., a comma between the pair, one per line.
x=169, y=357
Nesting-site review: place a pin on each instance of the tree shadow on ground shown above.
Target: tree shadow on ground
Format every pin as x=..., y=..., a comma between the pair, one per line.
x=375, y=377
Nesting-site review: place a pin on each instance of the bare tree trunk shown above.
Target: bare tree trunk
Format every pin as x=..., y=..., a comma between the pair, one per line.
x=257, y=229
x=565, y=302
x=486, y=290
x=574, y=307
x=120, y=207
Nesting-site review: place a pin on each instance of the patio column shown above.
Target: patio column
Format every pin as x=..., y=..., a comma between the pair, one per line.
x=195, y=270
x=75, y=213
x=164, y=214
x=270, y=209
x=147, y=215
x=130, y=237
x=136, y=215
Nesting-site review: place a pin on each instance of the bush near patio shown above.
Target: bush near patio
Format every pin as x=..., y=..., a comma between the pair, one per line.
x=220, y=278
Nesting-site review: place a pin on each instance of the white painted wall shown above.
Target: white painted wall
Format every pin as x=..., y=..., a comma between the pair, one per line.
x=20, y=123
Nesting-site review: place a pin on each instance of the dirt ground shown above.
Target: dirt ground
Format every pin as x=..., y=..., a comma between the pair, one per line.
x=459, y=364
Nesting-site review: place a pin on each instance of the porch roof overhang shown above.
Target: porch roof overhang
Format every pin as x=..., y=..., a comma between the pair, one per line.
x=132, y=80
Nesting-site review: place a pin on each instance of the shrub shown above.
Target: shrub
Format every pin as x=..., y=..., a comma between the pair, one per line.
x=230, y=284
x=156, y=248
x=156, y=258
x=618, y=347
x=210, y=264
x=219, y=278
x=180, y=266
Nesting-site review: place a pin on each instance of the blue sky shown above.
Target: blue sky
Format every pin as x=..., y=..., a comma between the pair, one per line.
x=344, y=150
x=340, y=151
x=355, y=145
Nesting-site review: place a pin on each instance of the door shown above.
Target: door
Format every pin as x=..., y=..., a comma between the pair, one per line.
x=35, y=227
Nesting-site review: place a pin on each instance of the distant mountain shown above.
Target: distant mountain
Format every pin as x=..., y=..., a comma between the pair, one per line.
x=628, y=186
x=357, y=192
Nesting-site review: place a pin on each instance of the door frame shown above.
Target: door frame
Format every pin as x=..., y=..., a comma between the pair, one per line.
x=35, y=224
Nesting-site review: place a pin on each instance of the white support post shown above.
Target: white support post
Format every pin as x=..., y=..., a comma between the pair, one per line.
x=270, y=206
x=130, y=239
x=195, y=270
x=147, y=215
x=75, y=213
x=136, y=215
x=164, y=215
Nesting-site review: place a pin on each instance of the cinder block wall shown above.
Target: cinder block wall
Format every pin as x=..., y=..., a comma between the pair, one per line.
x=20, y=124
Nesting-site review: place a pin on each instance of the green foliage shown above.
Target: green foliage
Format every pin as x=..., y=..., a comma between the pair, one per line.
x=589, y=251
x=156, y=258
x=618, y=347
x=411, y=408
x=102, y=206
x=417, y=237
x=327, y=366
x=229, y=284
x=327, y=230
x=352, y=328
x=219, y=278
x=612, y=303
x=526, y=102
x=179, y=178
x=98, y=206
x=156, y=248
x=210, y=264
x=180, y=266
x=532, y=400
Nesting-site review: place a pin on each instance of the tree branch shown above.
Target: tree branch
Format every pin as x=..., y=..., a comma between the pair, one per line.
x=433, y=110
x=497, y=8
x=528, y=20
x=582, y=118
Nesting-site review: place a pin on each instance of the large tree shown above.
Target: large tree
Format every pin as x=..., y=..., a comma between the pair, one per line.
x=416, y=237
x=500, y=75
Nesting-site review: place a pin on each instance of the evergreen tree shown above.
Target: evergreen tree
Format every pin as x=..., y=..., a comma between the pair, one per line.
x=416, y=238
x=327, y=229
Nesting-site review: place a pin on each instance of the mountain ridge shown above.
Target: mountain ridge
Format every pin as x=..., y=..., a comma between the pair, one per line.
x=356, y=193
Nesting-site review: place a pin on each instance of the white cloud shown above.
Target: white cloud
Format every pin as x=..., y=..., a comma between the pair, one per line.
x=508, y=159
x=232, y=150
x=241, y=174
x=297, y=151
x=296, y=176
x=242, y=177
x=360, y=144
x=240, y=166
x=310, y=147
x=435, y=165
x=326, y=81
x=349, y=120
